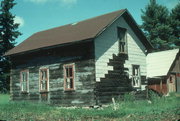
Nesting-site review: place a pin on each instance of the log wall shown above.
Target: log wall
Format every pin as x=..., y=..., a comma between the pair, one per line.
x=54, y=59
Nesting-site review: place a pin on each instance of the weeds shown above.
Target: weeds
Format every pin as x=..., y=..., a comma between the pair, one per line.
x=129, y=97
x=161, y=108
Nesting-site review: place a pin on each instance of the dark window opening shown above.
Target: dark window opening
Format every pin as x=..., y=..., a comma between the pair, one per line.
x=171, y=79
x=122, y=36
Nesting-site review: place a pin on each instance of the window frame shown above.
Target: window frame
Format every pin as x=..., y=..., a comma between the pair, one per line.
x=122, y=40
x=170, y=79
x=72, y=77
x=139, y=76
x=27, y=81
x=40, y=80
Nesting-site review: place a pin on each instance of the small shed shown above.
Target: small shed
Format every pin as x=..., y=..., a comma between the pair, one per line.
x=163, y=71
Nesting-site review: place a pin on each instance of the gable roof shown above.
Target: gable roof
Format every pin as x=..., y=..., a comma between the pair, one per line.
x=159, y=63
x=83, y=30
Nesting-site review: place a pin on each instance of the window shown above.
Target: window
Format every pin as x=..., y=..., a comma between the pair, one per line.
x=136, y=77
x=69, y=77
x=170, y=79
x=44, y=80
x=24, y=75
x=122, y=36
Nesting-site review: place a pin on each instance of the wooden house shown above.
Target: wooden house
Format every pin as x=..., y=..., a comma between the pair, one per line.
x=81, y=63
x=163, y=71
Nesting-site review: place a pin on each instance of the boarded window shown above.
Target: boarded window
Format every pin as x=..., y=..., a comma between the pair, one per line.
x=44, y=79
x=136, y=77
x=69, y=77
x=122, y=36
x=24, y=80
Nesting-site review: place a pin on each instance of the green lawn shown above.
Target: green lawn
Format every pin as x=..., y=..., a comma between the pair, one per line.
x=165, y=108
x=4, y=99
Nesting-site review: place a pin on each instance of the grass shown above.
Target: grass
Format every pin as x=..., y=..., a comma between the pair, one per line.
x=4, y=99
x=164, y=108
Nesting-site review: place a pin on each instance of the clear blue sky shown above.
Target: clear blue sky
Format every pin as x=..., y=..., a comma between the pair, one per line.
x=38, y=15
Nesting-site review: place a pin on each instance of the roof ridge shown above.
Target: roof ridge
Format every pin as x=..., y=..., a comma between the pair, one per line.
x=81, y=20
x=104, y=14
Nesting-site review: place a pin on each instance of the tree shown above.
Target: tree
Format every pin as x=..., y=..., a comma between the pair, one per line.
x=8, y=34
x=156, y=25
x=175, y=23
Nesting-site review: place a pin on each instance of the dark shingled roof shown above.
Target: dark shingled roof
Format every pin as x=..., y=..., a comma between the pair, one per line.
x=82, y=30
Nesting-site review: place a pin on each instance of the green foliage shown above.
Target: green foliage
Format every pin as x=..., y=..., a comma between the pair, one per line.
x=163, y=108
x=159, y=27
x=8, y=34
x=175, y=23
x=129, y=97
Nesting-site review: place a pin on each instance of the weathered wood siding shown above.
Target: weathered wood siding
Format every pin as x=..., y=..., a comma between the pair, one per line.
x=172, y=80
x=54, y=59
x=176, y=64
x=107, y=44
x=171, y=83
x=115, y=83
x=158, y=85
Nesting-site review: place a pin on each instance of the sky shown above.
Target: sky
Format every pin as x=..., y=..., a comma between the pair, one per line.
x=38, y=15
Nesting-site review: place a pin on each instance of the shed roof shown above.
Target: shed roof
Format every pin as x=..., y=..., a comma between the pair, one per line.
x=159, y=63
x=70, y=33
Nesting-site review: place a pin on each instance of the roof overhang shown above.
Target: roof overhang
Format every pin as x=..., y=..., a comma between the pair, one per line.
x=50, y=47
